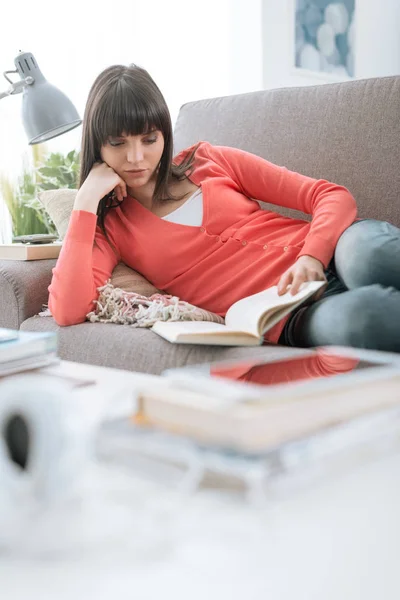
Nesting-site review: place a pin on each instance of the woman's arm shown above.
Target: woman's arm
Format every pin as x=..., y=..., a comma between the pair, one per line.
x=333, y=208
x=86, y=260
x=81, y=268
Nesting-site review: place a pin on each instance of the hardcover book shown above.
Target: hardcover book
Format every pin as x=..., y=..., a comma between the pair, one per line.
x=246, y=321
x=19, y=251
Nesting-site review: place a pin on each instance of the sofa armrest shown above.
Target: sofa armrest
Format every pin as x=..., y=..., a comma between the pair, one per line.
x=23, y=289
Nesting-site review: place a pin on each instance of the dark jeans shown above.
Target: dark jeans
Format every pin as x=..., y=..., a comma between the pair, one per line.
x=361, y=305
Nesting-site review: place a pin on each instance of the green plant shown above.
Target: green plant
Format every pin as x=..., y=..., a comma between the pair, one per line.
x=47, y=172
x=58, y=171
x=17, y=195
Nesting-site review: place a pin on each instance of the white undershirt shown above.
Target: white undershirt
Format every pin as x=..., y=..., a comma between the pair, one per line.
x=189, y=213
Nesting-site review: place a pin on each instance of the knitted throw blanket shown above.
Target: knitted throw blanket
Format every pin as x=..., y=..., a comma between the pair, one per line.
x=115, y=305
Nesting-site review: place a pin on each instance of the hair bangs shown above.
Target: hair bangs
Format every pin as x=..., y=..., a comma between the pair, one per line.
x=124, y=112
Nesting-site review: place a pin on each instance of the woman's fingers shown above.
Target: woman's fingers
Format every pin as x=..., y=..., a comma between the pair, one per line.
x=123, y=188
x=303, y=276
x=120, y=191
x=298, y=279
x=284, y=281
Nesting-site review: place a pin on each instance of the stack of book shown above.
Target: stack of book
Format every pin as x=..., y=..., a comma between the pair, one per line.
x=25, y=350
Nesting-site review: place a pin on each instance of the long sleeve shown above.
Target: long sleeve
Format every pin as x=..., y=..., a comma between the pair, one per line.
x=81, y=268
x=333, y=208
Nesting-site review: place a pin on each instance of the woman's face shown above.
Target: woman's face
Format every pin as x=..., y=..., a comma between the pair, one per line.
x=134, y=158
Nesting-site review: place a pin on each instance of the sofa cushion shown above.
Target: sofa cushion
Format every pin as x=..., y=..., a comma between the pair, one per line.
x=59, y=204
x=346, y=132
x=131, y=281
x=23, y=289
x=137, y=349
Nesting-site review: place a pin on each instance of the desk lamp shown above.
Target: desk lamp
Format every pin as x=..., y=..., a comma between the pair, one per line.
x=46, y=111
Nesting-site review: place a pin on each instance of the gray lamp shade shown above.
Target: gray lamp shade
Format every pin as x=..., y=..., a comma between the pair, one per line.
x=46, y=111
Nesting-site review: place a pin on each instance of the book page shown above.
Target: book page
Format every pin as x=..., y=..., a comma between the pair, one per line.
x=174, y=328
x=257, y=313
x=198, y=332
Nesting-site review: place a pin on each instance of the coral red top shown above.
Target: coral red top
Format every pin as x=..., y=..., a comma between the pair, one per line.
x=239, y=249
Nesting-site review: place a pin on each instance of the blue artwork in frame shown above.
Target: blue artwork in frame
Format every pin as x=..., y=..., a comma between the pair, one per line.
x=324, y=36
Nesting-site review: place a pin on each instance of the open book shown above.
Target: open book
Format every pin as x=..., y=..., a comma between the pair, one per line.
x=246, y=321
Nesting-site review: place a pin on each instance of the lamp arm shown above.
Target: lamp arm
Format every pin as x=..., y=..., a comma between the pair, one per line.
x=17, y=87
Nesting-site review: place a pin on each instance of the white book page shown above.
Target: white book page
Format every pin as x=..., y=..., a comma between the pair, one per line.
x=250, y=313
x=180, y=331
x=174, y=328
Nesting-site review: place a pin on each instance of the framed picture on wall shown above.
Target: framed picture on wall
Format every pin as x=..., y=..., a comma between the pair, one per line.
x=322, y=33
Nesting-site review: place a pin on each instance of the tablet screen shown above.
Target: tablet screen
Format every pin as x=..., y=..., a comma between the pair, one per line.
x=319, y=364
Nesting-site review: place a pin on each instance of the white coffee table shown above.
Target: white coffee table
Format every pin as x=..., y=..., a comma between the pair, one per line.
x=113, y=392
x=334, y=540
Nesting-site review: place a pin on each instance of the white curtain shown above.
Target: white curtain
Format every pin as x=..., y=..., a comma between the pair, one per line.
x=5, y=224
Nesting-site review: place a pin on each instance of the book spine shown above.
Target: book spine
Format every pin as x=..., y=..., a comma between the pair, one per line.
x=29, y=252
x=42, y=252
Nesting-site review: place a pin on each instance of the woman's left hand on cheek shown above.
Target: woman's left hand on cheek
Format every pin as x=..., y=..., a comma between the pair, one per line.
x=306, y=268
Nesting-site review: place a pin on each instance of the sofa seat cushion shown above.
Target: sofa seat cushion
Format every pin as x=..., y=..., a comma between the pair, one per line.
x=135, y=349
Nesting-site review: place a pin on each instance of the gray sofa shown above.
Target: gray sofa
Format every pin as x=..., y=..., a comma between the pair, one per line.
x=348, y=133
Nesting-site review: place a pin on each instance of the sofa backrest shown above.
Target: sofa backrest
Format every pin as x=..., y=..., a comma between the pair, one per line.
x=347, y=133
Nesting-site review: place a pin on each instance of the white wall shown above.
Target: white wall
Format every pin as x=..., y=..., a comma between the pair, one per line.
x=262, y=49
x=377, y=42
x=184, y=46
x=246, y=46
x=72, y=47
x=377, y=38
x=192, y=49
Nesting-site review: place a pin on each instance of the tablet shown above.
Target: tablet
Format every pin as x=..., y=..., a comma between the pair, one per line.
x=280, y=370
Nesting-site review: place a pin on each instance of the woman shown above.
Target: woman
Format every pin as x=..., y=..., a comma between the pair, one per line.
x=191, y=227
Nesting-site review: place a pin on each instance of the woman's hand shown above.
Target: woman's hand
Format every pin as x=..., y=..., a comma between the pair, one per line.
x=101, y=180
x=306, y=268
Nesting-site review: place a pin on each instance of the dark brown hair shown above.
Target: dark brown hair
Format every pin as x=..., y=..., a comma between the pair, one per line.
x=125, y=99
